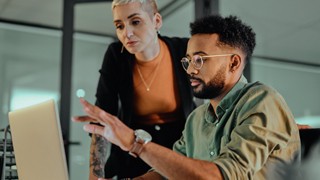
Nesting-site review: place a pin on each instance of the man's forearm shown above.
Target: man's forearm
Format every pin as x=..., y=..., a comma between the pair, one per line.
x=176, y=166
x=150, y=175
x=98, y=156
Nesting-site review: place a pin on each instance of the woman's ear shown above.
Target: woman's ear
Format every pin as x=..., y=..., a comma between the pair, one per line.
x=235, y=63
x=158, y=21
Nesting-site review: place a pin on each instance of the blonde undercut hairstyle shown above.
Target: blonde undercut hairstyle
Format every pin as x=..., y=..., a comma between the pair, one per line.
x=150, y=6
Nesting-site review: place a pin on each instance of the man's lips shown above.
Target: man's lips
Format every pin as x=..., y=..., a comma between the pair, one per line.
x=194, y=82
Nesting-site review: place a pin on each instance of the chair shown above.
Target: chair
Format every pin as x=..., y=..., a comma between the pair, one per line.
x=309, y=138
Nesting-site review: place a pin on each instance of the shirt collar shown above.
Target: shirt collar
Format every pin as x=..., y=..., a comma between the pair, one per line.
x=232, y=95
x=226, y=102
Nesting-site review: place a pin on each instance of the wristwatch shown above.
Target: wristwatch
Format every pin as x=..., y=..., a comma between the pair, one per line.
x=142, y=138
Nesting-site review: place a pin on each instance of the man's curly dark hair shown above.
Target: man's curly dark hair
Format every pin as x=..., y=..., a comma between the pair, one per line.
x=231, y=30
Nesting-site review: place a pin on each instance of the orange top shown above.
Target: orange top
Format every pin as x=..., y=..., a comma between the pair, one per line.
x=161, y=103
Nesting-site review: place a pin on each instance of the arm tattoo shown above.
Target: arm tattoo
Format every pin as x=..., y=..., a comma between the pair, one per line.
x=98, y=155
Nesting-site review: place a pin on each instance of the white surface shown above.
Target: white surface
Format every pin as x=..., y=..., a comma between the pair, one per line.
x=313, y=121
x=38, y=143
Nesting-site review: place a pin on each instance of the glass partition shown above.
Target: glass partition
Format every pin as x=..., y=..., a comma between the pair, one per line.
x=298, y=84
x=30, y=73
x=30, y=67
x=87, y=59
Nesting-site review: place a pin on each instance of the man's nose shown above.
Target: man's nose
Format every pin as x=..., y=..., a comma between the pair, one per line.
x=192, y=70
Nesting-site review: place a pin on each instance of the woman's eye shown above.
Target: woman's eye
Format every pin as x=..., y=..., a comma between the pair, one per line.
x=135, y=22
x=119, y=26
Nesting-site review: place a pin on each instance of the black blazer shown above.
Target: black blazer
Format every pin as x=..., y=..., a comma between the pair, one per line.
x=115, y=87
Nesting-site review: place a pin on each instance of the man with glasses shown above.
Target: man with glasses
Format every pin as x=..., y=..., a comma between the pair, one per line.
x=244, y=128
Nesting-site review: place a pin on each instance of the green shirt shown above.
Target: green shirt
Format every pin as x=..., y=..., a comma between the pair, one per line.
x=254, y=127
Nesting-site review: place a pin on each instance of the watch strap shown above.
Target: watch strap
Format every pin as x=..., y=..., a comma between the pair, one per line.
x=136, y=149
x=141, y=138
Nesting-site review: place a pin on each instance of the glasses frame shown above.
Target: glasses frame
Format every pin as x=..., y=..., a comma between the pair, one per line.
x=192, y=61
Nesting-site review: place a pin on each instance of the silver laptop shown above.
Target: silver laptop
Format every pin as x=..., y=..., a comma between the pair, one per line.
x=37, y=142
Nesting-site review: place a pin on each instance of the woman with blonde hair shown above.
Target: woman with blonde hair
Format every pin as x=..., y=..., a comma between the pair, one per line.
x=143, y=83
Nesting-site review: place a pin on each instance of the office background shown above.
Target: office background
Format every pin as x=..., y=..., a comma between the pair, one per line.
x=34, y=64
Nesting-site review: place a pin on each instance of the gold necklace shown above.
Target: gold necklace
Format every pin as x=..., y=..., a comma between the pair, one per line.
x=153, y=77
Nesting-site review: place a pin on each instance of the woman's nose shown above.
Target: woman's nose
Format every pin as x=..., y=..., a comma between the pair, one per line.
x=128, y=32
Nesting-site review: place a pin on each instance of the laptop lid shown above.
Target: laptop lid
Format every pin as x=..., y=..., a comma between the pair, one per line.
x=37, y=142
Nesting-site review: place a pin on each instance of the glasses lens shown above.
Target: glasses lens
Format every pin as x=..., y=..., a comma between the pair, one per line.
x=185, y=63
x=197, y=60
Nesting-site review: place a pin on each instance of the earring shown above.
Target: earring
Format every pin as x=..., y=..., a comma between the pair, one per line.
x=122, y=49
x=156, y=38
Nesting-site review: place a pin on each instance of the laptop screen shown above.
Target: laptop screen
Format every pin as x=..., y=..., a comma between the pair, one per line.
x=37, y=142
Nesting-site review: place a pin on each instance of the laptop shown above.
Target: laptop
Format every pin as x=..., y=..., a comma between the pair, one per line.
x=37, y=142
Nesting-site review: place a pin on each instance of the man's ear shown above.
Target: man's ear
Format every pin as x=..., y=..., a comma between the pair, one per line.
x=235, y=62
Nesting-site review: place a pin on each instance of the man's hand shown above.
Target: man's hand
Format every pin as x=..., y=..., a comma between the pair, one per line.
x=303, y=126
x=114, y=130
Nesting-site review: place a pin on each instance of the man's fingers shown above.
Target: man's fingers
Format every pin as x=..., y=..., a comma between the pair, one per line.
x=304, y=126
x=95, y=129
x=83, y=119
x=92, y=110
x=96, y=113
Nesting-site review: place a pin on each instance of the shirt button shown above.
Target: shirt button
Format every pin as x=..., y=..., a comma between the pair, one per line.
x=212, y=153
x=157, y=127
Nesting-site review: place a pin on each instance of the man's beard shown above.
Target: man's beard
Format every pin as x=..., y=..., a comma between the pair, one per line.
x=213, y=88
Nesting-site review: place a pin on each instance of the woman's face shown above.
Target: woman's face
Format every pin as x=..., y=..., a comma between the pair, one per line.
x=136, y=30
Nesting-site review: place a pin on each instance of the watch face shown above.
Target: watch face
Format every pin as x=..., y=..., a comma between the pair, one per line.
x=143, y=135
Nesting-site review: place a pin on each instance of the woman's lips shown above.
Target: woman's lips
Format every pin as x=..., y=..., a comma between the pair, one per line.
x=131, y=43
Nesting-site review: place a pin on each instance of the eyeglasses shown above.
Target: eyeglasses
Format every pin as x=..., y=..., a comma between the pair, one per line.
x=197, y=60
